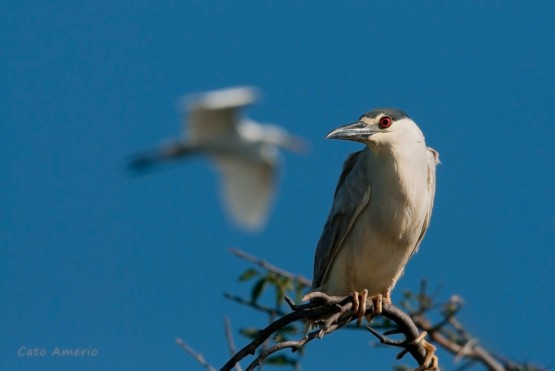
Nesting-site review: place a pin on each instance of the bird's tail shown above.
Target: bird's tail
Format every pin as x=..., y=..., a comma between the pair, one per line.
x=142, y=162
x=149, y=160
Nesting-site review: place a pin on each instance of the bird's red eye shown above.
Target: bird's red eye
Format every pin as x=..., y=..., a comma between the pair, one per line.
x=385, y=122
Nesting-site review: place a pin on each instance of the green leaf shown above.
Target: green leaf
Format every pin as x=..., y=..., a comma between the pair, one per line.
x=287, y=283
x=257, y=289
x=279, y=337
x=248, y=274
x=280, y=293
x=289, y=329
x=272, y=279
x=281, y=334
x=250, y=332
x=298, y=292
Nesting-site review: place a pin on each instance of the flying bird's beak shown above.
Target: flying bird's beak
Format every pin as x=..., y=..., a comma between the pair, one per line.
x=358, y=132
x=296, y=145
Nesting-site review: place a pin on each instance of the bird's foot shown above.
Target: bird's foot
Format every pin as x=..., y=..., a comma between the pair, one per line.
x=360, y=305
x=430, y=361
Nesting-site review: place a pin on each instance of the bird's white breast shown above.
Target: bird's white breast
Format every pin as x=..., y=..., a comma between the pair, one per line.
x=386, y=232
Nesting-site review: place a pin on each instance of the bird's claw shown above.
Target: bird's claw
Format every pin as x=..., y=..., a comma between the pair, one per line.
x=430, y=361
x=359, y=304
x=378, y=300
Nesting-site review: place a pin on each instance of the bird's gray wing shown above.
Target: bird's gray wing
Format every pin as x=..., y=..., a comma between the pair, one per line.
x=433, y=160
x=216, y=114
x=247, y=188
x=349, y=200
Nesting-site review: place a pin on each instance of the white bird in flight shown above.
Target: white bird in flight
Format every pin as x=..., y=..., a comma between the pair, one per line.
x=245, y=152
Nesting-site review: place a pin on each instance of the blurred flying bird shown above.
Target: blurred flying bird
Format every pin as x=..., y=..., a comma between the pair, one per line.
x=245, y=152
x=381, y=209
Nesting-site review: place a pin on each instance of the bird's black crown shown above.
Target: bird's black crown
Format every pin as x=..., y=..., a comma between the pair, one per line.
x=394, y=113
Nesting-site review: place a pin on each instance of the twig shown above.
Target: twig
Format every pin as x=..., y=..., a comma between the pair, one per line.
x=267, y=332
x=462, y=346
x=294, y=345
x=197, y=356
x=230, y=341
x=447, y=333
x=329, y=314
x=255, y=305
x=269, y=267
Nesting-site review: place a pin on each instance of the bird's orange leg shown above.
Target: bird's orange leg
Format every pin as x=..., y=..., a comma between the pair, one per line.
x=378, y=301
x=359, y=304
x=431, y=360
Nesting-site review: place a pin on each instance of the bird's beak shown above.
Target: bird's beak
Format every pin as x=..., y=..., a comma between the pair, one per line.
x=296, y=145
x=358, y=132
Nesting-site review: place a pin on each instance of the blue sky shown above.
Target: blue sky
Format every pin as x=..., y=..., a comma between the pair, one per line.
x=90, y=257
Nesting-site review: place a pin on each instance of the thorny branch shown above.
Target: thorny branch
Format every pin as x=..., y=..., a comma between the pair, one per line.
x=329, y=313
x=230, y=341
x=447, y=333
x=269, y=267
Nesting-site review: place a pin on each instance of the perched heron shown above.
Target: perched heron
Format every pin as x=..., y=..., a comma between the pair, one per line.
x=245, y=152
x=381, y=209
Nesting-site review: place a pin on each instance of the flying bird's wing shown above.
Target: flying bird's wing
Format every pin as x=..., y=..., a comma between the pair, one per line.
x=247, y=189
x=215, y=114
x=349, y=201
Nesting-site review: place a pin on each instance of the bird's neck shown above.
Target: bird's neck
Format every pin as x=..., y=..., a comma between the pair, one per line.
x=405, y=169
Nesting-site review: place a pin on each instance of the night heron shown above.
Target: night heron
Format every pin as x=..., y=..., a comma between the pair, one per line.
x=381, y=209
